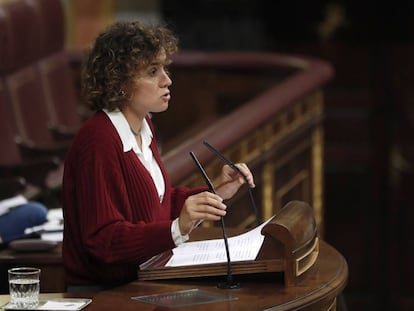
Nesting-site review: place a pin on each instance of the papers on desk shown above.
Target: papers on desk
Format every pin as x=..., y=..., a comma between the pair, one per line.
x=52, y=230
x=69, y=304
x=52, y=236
x=65, y=304
x=243, y=247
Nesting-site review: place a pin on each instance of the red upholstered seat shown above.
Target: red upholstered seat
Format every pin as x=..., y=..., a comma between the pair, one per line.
x=23, y=46
x=56, y=75
x=40, y=172
x=20, y=101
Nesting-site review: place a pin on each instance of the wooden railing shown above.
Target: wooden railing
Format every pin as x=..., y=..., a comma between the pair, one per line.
x=275, y=127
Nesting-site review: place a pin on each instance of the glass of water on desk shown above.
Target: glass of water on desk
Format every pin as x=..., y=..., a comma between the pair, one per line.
x=24, y=285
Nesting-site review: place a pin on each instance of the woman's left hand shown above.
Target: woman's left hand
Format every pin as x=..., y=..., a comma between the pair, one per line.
x=232, y=180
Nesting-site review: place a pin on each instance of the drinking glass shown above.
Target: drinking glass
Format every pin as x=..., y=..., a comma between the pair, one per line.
x=24, y=286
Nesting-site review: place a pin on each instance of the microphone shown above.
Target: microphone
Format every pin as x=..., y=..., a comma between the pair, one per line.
x=235, y=168
x=229, y=284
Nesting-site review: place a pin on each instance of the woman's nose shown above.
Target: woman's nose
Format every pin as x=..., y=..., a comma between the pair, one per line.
x=166, y=79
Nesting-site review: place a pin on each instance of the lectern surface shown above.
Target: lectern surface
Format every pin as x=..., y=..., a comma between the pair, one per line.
x=317, y=289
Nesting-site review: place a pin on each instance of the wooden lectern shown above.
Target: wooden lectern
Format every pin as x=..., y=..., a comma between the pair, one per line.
x=290, y=246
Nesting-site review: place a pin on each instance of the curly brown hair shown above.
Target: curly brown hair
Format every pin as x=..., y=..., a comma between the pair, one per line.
x=115, y=59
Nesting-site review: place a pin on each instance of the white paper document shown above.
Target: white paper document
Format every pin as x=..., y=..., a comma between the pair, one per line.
x=242, y=247
x=7, y=204
x=61, y=305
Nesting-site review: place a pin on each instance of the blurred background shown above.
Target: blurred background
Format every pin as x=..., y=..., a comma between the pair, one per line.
x=369, y=112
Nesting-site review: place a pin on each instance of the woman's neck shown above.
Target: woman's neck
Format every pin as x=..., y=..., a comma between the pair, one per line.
x=133, y=119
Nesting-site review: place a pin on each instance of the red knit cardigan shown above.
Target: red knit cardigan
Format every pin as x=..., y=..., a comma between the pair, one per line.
x=113, y=220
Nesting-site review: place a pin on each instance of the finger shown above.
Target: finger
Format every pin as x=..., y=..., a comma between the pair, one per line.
x=209, y=198
x=209, y=213
x=213, y=211
x=204, y=204
x=247, y=175
x=212, y=203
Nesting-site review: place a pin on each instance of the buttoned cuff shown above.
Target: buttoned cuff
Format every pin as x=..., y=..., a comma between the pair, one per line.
x=178, y=238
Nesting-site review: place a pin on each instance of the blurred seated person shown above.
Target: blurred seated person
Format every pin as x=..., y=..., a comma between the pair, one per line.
x=17, y=214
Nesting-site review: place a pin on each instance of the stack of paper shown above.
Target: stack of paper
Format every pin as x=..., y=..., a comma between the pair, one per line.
x=243, y=247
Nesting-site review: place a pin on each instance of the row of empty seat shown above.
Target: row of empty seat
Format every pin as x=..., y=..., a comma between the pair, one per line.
x=39, y=108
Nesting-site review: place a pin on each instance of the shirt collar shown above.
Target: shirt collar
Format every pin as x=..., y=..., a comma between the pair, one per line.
x=127, y=138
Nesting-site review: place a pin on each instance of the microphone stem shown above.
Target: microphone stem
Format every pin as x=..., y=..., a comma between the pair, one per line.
x=230, y=284
x=226, y=244
x=235, y=168
x=253, y=204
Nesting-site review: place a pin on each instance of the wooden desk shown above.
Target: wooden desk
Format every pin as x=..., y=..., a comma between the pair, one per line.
x=316, y=290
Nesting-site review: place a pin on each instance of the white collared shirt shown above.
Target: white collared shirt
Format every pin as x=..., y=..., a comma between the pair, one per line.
x=146, y=157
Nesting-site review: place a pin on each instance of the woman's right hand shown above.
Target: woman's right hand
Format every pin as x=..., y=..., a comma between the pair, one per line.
x=199, y=207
